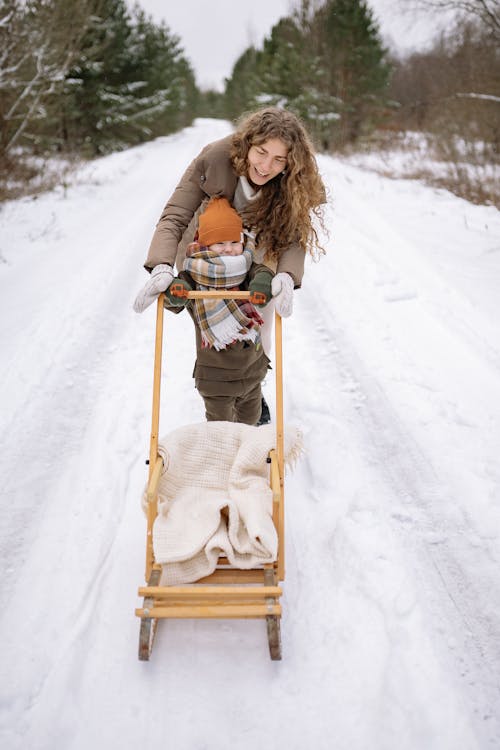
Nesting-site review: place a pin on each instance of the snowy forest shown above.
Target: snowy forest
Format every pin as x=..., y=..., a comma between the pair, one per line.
x=81, y=78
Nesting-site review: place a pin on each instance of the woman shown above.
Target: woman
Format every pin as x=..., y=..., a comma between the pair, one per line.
x=267, y=171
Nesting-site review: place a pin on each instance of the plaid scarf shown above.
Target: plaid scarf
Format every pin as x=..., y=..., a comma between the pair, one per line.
x=221, y=322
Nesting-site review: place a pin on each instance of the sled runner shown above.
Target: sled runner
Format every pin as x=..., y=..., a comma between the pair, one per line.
x=228, y=592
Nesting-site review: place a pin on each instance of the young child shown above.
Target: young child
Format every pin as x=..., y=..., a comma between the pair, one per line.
x=230, y=362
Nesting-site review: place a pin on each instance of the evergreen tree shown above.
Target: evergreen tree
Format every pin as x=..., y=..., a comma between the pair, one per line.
x=91, y=87
x=326, y=62
x=292, y=74
x=87, y=77
x=211, y=104
x=163, y=79
x=284, y=62
x=243, y=88
x=131, y=83
x=354, y=60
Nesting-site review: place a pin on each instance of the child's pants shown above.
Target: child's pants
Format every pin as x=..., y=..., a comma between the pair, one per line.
x=242, y=407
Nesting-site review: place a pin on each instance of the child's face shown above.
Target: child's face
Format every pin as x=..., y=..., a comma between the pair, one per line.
x=227, y=248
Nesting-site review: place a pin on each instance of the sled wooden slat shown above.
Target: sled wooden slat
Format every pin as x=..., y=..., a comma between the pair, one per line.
x=201, y=601
x=222, y=611
x=230, y=575
x=228, y=592
x=179, y=592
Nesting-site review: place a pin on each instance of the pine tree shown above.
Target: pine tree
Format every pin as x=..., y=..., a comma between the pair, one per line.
x=355, y=69
x=131, y=83
x=243, y=87
x=326, y=62
x=293, y=74
x=163, y=80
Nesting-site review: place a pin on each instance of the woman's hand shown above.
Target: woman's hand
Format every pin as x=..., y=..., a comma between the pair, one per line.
x=159, y=281
x=282, y=287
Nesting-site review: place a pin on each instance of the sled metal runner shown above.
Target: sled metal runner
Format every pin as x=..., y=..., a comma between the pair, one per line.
x=229, y=592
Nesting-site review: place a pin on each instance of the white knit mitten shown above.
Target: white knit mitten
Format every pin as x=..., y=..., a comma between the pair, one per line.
x=159, y=281
x=282, y=288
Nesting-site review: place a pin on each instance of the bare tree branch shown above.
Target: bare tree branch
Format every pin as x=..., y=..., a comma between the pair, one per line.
x=485, y=11
x=39, y=42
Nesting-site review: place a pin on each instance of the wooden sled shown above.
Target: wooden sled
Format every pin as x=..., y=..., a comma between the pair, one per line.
x=228, y=592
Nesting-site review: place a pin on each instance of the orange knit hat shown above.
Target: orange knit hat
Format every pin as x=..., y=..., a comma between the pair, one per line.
x=219, y=223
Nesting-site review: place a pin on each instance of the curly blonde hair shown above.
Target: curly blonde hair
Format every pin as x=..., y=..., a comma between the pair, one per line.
x=284, y=209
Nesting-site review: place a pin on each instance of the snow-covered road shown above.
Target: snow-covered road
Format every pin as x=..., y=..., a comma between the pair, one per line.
x=391, y=626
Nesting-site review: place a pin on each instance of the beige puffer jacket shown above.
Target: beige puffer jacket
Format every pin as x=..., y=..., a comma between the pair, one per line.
x=209, y=175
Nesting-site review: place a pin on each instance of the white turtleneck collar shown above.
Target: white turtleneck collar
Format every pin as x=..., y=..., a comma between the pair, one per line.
x=243, y=194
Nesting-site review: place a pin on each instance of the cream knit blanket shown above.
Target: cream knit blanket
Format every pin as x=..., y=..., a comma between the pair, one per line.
x=214, y=498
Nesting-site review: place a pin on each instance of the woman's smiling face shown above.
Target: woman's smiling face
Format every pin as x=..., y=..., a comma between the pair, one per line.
x=266, y=160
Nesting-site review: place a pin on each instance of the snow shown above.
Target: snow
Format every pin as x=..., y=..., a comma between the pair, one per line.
x=391, y=625
x=486, y=97
x=415, y=155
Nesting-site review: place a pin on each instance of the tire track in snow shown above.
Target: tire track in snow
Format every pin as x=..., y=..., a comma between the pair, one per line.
x=363, y=551
x=464, y=613
x=420, y=511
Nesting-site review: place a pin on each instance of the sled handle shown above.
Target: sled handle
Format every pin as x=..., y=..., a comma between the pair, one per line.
x=218, y=294
x=152, y=508
x=257, y=298
x=280, y=442
x=155, y=422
